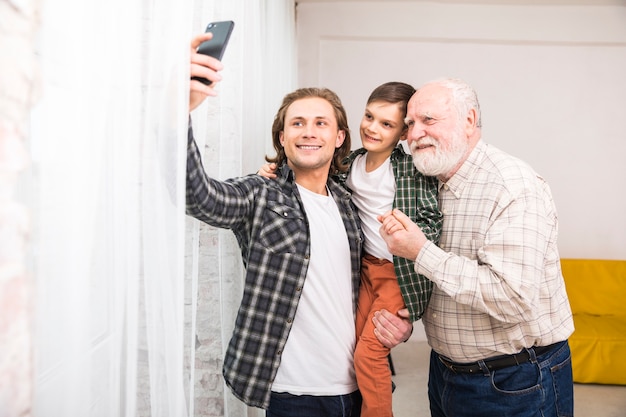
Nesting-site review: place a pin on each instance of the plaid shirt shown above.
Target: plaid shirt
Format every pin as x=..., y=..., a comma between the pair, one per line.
x=416, y=196
x=497, y=268
x=269, y=221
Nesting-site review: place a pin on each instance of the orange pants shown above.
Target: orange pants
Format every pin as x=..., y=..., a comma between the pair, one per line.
x=379, y=289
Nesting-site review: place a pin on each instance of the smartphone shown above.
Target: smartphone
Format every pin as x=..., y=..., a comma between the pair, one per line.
x=216, y=46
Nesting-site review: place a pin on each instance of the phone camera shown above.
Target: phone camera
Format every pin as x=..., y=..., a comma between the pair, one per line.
x=210, y=26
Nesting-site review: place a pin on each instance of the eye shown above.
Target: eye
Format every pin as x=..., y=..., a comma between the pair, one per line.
x=428, y=120
x=387, y=125
x=409, y=123
x=367, y=116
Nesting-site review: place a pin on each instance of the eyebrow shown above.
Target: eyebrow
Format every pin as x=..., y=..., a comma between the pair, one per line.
x=314, y=118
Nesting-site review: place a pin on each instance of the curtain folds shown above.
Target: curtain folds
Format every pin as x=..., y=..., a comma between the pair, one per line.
x=135, y=301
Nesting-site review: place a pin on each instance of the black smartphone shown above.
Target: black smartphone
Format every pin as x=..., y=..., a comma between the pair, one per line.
x=216, y=46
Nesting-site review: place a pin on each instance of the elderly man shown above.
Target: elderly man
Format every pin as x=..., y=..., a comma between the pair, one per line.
x=499, y=316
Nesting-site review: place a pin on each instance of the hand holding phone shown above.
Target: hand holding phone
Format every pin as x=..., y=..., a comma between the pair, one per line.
x=215, y=46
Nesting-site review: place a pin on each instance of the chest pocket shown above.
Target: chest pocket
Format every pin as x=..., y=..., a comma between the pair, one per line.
x=285, y=229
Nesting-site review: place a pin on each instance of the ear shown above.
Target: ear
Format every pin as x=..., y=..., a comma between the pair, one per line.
x=341, y=136
x=280, y=138
x=404, y=134
x=470, y=122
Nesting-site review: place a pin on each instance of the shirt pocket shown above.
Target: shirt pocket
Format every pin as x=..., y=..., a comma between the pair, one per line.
x=284, y=230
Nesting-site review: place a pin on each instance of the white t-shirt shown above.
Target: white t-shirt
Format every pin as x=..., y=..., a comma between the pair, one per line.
x=373, y=194
x=318, y=356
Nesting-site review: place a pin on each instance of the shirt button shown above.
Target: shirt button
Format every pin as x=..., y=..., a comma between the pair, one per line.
x=434, y=315
x=444, y=211
x=445, y=187
x=298, y=289
x=279, y=351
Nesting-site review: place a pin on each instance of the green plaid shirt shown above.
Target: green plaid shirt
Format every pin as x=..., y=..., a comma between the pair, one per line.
x=416, y=196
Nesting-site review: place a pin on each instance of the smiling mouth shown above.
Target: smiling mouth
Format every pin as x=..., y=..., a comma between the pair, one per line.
x=309, y=147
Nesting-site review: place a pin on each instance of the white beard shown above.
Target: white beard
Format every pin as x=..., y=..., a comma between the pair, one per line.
x=442, y=161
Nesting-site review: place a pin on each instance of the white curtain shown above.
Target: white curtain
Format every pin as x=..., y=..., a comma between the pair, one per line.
x=134, y=301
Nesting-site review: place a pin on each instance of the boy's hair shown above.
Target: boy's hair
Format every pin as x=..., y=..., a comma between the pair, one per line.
x=393, y=92
x=278, y=126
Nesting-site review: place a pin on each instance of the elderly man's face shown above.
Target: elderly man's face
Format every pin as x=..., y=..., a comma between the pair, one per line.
x=436, y=136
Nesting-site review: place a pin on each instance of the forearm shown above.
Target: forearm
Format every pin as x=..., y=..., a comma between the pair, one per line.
x=497, y=274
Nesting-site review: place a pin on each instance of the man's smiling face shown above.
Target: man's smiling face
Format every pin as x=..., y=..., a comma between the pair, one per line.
x=310, y=135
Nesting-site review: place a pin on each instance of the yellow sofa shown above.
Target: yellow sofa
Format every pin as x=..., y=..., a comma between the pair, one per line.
x=597, y=295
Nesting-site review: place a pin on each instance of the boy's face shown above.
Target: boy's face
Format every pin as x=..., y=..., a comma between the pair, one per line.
x=382, y=126
x=310, y=135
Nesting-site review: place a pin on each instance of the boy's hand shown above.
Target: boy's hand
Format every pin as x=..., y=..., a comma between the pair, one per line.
x=268, y=171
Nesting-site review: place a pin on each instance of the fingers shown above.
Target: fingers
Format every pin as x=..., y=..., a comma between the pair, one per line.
x=402, y=218
x=198, y=39
x=202, y=66
x=390, y=329
x=394, y=221
x=267, y=171
x=404, y=313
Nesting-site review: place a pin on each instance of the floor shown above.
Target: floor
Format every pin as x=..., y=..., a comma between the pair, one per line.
x=410, y=399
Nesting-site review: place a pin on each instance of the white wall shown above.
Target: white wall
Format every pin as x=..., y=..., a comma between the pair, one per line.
x=551, y=81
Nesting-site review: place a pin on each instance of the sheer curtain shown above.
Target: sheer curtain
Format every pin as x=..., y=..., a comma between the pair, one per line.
x=134, y=301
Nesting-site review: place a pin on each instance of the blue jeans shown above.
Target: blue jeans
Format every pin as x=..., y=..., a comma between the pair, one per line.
x=287, y=405
x=542, y=387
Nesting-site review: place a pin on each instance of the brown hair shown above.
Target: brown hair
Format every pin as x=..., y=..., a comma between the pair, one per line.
x=278, y=126
x=394, y=92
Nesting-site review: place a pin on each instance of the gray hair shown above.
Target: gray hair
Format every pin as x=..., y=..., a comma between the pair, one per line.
x=464, y=96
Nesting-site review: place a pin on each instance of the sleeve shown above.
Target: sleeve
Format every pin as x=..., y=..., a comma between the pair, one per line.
x=219, y=203
x=428, y=216
x=498, y=270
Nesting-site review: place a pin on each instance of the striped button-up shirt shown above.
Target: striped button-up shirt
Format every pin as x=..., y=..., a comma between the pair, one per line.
x=270, y=224
x=497, y=274
x=416, y=196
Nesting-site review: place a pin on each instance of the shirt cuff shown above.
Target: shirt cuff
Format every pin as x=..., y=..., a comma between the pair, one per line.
x=428, y=259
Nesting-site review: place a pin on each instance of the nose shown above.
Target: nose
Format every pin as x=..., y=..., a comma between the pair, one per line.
x=372, y=125
x=309, y=130
x=368, y=126
x=414, y=133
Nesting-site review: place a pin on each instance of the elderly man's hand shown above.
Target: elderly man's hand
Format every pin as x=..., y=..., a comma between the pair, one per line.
x=403, y=237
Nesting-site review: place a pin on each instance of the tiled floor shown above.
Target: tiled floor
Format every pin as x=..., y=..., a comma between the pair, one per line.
x=410, y=399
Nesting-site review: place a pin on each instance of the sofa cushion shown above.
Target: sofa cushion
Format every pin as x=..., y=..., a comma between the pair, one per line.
x=599, y=349
x=595, y=286
x=597, y=294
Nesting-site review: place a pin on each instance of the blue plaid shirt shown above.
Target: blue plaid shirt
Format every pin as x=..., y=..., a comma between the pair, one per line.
x=270, y=224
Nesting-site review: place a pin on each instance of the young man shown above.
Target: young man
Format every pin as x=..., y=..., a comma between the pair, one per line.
x=499, y=316
x=292, y=348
